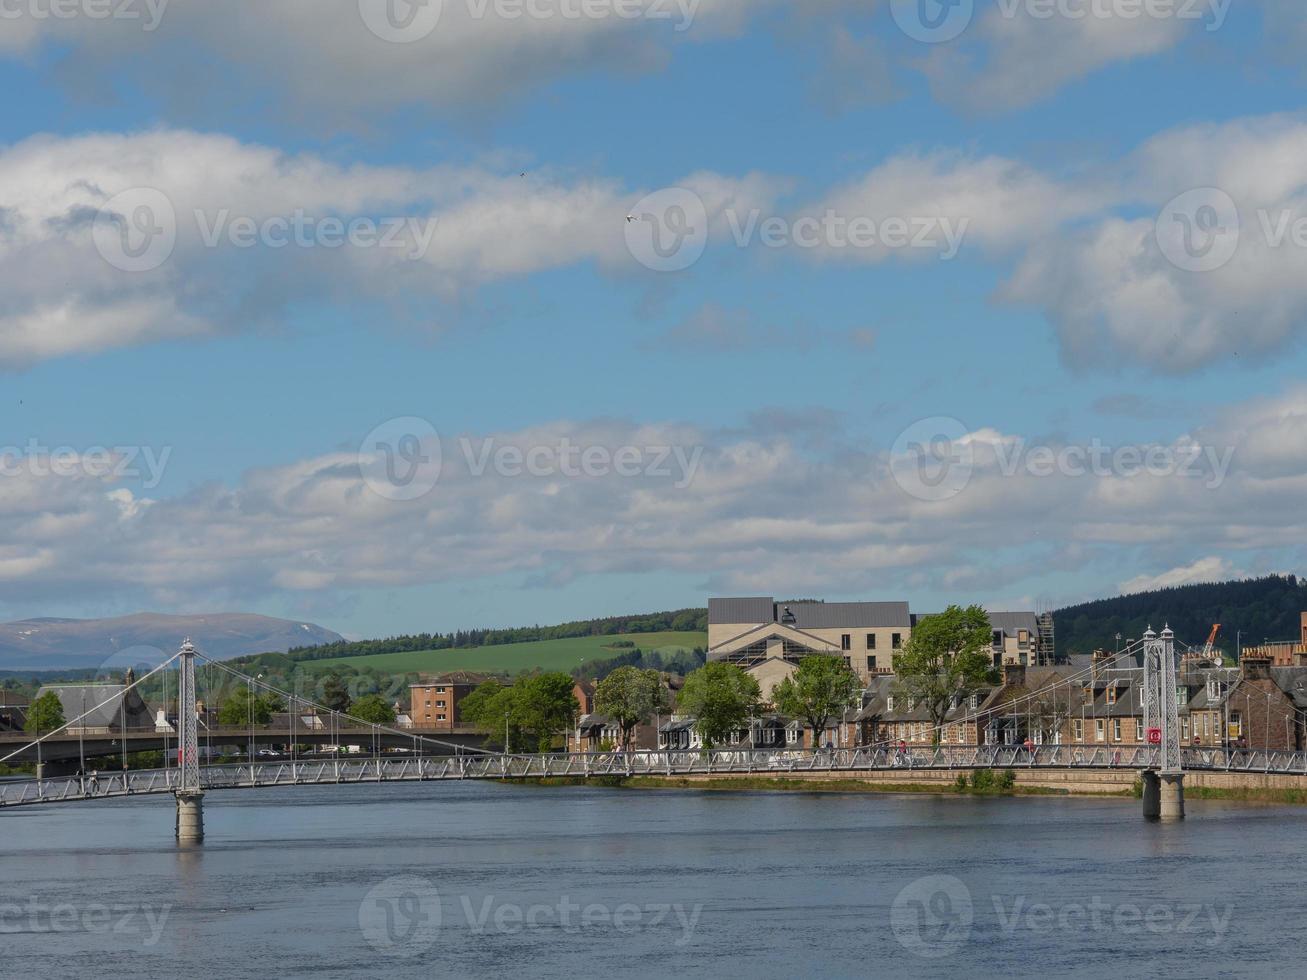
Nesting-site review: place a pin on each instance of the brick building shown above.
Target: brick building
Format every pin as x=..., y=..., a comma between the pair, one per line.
x=434, y=702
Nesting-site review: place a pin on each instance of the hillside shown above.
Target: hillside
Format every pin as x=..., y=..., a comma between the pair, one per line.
x=1261, y=608
x=565, y=655
x=52, y=644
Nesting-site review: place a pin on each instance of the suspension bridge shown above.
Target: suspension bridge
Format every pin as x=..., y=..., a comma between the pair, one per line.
x=1162, y=762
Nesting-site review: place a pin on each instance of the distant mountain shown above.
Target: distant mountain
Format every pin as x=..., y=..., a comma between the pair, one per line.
x=53, y=644
x=1260, y=608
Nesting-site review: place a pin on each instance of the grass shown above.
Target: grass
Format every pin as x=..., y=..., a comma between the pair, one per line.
x=564, y=655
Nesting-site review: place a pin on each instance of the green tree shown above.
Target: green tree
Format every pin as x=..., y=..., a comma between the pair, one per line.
x=544, y=706
x=722, y=698
x=45, y=714
x=334, y=693
x=946, y=658
x=820, y=689
x=243, y=707
x=492, y=707
x=373, y=708
x=630, y=697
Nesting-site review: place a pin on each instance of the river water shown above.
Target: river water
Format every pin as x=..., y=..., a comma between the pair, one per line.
x=469, y=879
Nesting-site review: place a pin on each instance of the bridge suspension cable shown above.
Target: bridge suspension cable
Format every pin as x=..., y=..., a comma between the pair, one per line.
x=37, y=742
x=377, y=728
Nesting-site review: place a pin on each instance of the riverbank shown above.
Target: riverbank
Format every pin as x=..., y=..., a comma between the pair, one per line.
x=1234, y=787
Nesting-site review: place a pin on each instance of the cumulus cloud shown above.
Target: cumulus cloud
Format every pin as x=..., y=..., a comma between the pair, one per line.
x=768, y=507
x=346, y=59
x=1210, y=569
x=1216, y=270
x=1017, y=53
x=112, y=240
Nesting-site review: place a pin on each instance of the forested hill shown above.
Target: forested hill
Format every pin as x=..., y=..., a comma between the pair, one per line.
x=680, y=620
x=1262, y=608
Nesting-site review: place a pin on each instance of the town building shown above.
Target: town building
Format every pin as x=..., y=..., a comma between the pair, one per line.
x=748, y=631
x=434, y=701
x=102, y=707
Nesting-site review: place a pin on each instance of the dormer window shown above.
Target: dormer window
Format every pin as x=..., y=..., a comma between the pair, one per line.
x=889, y=703
x=1111, y=694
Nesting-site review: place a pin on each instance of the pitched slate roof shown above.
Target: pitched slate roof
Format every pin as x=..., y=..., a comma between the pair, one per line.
x=809, y=615
x=103, y=704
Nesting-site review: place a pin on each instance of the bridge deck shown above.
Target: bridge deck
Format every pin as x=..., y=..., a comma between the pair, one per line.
x=587, y=765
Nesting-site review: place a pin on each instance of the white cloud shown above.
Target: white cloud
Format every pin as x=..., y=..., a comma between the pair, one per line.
x=322, y=57
x=1013, y=58
x=67, y=286
x=1149, y=291
x=1209, y=569
x=769, y=506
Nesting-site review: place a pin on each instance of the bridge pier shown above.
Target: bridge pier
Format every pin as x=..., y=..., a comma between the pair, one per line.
x=1171, y=786
x=1163, y=795
x=190, y=818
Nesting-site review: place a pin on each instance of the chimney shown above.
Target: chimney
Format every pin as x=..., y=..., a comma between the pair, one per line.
x=1304, y=629
x=1014, y=674
x=1099, y=662
x=1256, y=668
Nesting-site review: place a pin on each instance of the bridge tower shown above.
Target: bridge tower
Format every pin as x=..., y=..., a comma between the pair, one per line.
x=1163, y=786
x=190, y=794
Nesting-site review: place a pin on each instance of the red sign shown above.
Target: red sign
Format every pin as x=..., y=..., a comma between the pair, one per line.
x=1154, y=736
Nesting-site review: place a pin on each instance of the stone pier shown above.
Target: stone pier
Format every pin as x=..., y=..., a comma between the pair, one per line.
x=1171, y=793
x=1163, y=795
x=190, y=818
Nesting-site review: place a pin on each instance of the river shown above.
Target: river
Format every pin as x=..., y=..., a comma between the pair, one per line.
x=469, y=879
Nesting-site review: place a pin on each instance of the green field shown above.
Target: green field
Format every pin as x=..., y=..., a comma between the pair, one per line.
x=564, y=655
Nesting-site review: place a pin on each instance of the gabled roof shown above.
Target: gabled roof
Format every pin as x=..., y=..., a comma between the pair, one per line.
x=768, y=630
x=105, y=705
x=809, y=615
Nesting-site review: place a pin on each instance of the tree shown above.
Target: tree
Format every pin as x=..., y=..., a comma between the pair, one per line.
x=630, y=697
x=244, y=707
x=722, y=698
x=373, y=708
x=334, y=693
x=45, y=714
x=544, y=706
x=821, y=689
x=946, y=658
x=491, y=707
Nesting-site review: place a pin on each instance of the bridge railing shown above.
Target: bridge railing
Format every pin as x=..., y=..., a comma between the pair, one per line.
x=404, y=767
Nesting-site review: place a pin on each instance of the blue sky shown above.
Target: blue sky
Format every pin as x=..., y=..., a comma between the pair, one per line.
x=1058, y=142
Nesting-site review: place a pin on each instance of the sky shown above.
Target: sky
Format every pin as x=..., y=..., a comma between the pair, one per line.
x=406, y=316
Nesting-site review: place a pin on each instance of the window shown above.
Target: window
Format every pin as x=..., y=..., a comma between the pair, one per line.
x=889, y=703
x=848, y=662
x=1116, y=729
x=1111, y=694
x=896, y=640
x=998, y=638
x=846, y=642
x=1184, y=729
x=1078, y=730
x=440, y=717
x=871, y=641
x=973, y=702
x=871, y=663
x=440, y=704
x=1100, y=730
